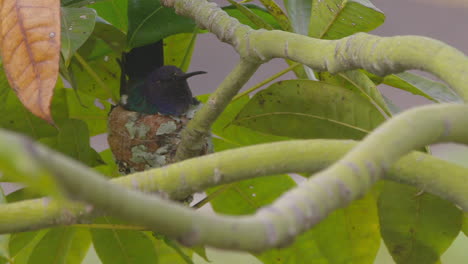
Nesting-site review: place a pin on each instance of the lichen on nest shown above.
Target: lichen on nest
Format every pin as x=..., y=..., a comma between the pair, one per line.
x=142, y=141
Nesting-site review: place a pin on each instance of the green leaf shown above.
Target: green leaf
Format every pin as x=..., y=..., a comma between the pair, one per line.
x=419, y=85
x=77, y=25
x=167, y=254
x=465, y=223
x=19, y=119
x=248, y=12
x=416, y=228
x=184, y=255
x=114, y=12
x=122, y=246
x=79, y=246
x=53, y=247
x=349, y=235
x=275, y=10
x=110, y=167
x=109, y=34
x=201, y=251
x=21, y=195
x=98, y=77
x=105, y=40
x=73, y=140
x=335, y=19
x=21, y=240
x=359, y=82
x=247, y=196
x=149, y=22
x=309, y=109
x=23, y=244
x=178, y=50
x=4, y=239
x=237, y=135
x=304, y=250
x=83, y=107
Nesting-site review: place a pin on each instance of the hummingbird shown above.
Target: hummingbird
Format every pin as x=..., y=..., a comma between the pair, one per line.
x=155, y=106
x=165, y=91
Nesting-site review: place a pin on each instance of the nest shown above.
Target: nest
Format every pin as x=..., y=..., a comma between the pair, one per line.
x=142, y=141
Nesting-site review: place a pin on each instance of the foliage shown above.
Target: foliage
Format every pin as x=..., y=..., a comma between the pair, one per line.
x=346, y=105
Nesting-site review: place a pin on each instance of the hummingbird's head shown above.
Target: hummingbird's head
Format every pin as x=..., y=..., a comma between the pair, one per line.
x=170, y=73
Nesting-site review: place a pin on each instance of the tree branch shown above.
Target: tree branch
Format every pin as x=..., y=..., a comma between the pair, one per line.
x=194, y=135
x=301, y=208
x=179, y=180
x=378, y=55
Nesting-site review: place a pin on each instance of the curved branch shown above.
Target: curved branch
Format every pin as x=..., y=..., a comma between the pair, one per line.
x=301, y=208
x=193, y=136
x=378, y=55
x=177, y=181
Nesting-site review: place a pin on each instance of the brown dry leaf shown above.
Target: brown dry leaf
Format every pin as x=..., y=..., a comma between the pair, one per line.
x=30, y=49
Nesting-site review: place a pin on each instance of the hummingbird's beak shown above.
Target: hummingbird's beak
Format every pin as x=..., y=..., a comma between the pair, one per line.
x=190, y=74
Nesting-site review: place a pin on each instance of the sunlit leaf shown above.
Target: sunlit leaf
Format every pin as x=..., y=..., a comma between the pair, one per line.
x=77, y=26
x=417, y=228
x=79, y=247
x=178, y=50
x=23, y=244
x=309, y=109
x=114, y=12
x=53, y=247
x=30, y=49
x=149, y=21
x=334, y=19
x=349, y=235
x=21, y=240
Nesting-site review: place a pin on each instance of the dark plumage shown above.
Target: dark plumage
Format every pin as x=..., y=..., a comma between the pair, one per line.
x=165, y=91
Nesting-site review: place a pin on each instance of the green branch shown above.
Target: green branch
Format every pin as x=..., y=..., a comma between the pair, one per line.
x=179, y=180
x=301, y=207
x=193, y=136
x=378, y=55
